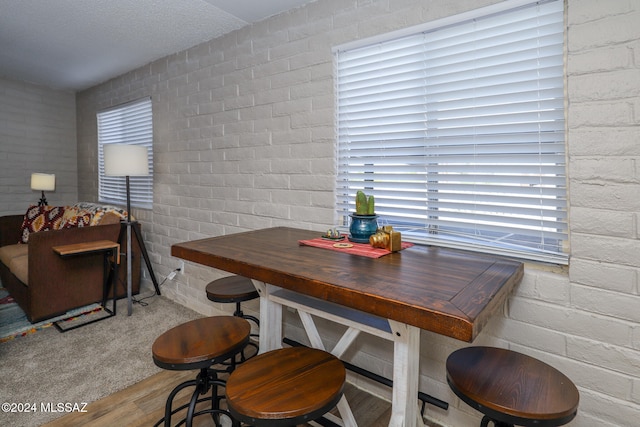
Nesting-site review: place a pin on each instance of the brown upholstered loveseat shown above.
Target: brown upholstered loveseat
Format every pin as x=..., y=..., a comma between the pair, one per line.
x=45, y=285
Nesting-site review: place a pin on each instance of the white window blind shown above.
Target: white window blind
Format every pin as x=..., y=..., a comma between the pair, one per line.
x=458, y=132
x=130, y=123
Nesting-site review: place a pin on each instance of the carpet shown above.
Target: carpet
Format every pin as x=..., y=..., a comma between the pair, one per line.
x=42, y=370
x=14, y=322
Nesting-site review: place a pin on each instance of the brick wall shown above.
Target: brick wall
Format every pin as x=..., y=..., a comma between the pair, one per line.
x=244, y=139
x=37, y=134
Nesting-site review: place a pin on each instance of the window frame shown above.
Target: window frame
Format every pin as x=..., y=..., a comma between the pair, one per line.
x=554, y=226
x=129, y=123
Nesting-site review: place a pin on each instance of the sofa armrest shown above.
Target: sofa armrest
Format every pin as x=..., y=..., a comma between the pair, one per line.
x=62, y=282
x=10, y=229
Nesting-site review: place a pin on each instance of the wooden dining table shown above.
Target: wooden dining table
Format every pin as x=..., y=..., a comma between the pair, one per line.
x=450, y=292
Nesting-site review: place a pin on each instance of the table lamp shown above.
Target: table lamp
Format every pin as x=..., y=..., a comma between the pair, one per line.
x=129, y=160
x=42, y=182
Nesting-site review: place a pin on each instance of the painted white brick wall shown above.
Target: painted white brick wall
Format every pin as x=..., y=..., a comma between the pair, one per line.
x=603, y=70
x=244, y=139
x=37, y=134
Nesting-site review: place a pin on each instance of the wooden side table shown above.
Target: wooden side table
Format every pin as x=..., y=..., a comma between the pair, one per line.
x=109, y=250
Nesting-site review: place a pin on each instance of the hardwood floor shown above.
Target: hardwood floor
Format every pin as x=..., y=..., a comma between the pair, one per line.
x=142, y=404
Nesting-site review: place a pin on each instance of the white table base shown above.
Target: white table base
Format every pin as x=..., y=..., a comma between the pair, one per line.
x=406, y=339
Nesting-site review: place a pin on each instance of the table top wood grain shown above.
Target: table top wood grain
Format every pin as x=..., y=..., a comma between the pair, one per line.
x=446, y=291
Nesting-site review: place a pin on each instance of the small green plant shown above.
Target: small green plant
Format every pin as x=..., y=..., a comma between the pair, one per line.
x=365, y=205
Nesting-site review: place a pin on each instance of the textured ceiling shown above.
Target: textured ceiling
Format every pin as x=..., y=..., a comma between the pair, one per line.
x=76, y=44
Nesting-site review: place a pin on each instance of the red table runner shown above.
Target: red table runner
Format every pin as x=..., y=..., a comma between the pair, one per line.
x=360, y=249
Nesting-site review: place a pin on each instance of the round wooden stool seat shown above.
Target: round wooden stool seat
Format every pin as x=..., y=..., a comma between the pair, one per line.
x=285, y=387
x=511, y=388
x=231, y=289
x=200, y=344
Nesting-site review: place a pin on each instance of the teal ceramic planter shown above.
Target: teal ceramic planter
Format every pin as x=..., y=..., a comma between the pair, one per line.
x=362, y=227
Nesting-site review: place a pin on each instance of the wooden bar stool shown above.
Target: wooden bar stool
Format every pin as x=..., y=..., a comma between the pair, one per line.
x=200, y=344
x=285, y=387
x=511, y=388
x=235, y=289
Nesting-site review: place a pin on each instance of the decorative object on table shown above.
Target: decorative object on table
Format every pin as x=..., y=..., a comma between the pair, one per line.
x=358, y=249
x=386, y=238
x=43, y=182
x=332, y=234
x=343, y=245
x=129, y=160
x=364, y=222
x=365, y=205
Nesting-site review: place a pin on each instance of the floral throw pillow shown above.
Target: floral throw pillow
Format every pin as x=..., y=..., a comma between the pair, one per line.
x=98, y=211
x=79, y=219
x=41, y=218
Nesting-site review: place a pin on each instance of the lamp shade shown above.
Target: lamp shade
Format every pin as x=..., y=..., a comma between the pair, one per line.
x=125, y=160
x=43, y=181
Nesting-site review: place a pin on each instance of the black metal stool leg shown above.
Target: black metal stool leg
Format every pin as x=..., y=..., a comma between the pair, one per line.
x=211, y=382
x=215, y=384
x=240, y=313
x=206, y=379
x=202, y=387
x=215, y=404
x=169, y=403
x=192, y=406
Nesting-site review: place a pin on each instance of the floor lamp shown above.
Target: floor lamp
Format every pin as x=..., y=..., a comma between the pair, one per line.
x=129, y=160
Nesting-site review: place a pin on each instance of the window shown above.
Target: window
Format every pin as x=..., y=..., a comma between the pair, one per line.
x=457, y=129
x=131, y=123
